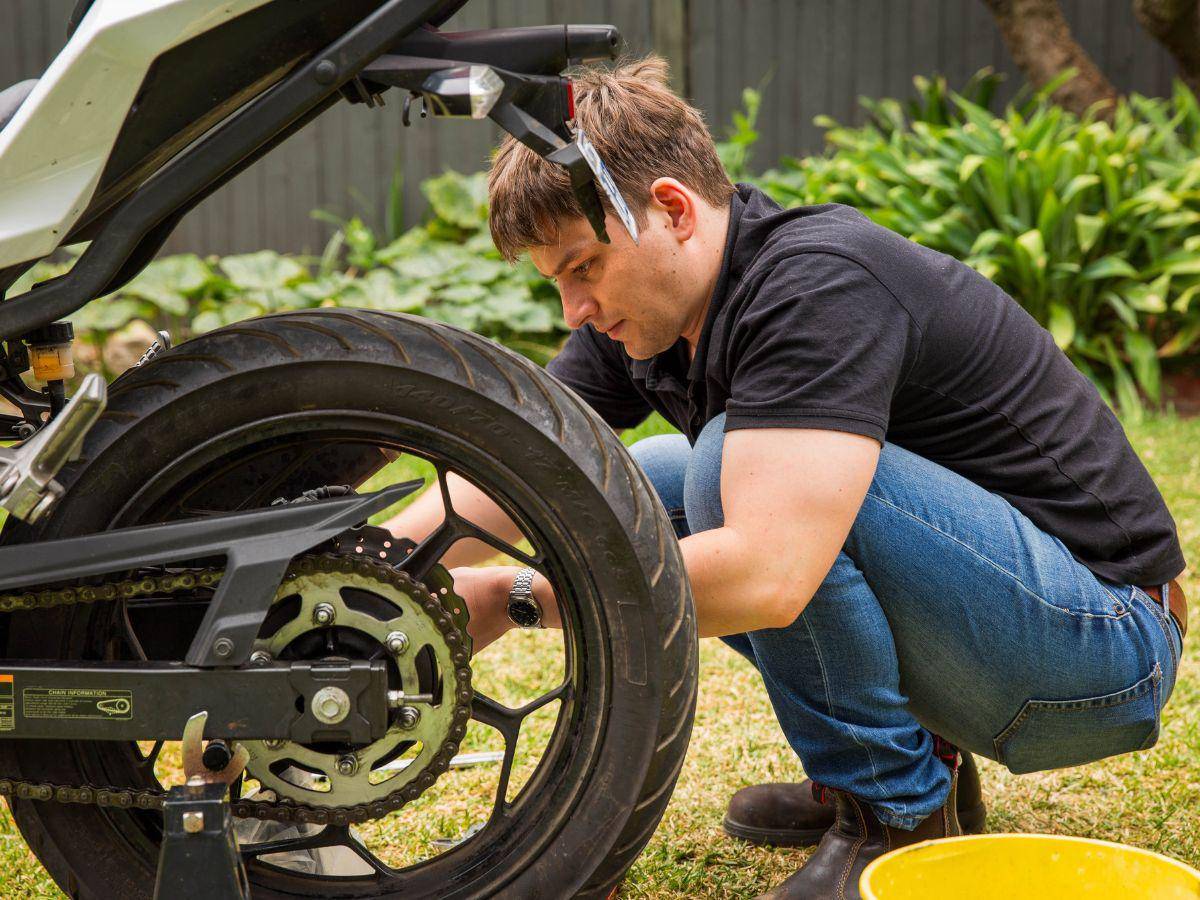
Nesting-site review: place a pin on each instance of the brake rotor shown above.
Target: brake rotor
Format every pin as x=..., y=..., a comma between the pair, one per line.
x=348, y=614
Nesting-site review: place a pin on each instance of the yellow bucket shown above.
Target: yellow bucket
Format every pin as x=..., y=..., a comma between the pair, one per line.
x=1027, y=867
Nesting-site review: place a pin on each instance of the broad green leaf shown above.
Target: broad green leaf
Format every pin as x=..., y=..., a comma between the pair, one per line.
x=969, y=164
x=1088, y=230
x=381, y=289
x=263, y=270
x=1078, y=185
x=1180, y=264
x=1143, y=356
x=1061, y=325
x=462, y=293
x=436, y=262
x=1031, y=242
x=1183, y=301
x=106, y=314
x=1123, y=310
x=1127, y=395
x=1176, y=219
x=479, y=270
x=458, y=199
x=987, y=241
x=1111, y=266
x=1150, y=298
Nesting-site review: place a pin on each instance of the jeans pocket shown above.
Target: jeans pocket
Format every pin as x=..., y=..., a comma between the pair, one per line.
x=1053, y=734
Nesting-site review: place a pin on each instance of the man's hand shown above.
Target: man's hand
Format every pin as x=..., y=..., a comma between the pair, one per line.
x=485, y=591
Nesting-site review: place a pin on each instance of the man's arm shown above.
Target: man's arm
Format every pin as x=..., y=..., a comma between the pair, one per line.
x=789, y=496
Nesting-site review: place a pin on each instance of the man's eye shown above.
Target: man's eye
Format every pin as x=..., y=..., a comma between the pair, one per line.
x=582, y=268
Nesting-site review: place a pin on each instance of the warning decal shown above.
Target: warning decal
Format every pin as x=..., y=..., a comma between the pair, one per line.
x=75, y=703
x=6, y=703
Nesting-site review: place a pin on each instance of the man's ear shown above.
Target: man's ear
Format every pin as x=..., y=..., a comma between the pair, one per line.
x=678, y=203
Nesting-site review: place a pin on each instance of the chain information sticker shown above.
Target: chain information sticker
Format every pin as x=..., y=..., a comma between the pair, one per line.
x=6, y=703
x=76, y=703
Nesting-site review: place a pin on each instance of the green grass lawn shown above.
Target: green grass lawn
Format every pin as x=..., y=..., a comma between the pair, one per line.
x=1148, y=799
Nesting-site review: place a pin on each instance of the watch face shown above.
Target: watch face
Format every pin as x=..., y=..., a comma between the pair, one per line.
x=524, y=613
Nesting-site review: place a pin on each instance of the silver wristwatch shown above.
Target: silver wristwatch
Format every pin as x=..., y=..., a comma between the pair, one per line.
x=523, y=609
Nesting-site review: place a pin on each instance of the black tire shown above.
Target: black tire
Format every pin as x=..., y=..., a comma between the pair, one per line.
x=474, y=396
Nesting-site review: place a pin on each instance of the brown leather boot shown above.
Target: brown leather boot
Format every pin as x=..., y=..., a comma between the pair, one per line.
x=855, y=839
x=788, y=815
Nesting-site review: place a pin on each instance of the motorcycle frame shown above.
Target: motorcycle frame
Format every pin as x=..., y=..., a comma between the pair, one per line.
x=257, y=546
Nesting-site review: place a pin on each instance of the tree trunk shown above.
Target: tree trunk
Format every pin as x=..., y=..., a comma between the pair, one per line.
x=1176, y=25
x=1041, y=44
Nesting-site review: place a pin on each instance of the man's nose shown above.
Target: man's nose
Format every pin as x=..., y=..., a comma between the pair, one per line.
x=578, y=307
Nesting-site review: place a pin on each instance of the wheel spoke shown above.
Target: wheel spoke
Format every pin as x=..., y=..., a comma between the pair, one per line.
x=508, y=721
x=356, y=846
x=149, y=759
x=329, y=836
x=470, y=529
x=427, y=553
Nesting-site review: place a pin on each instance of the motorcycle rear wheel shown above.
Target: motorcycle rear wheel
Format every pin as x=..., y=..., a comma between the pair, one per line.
x=202, y=423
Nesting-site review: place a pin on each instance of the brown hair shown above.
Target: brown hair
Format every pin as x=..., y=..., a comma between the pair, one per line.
x=642, y=130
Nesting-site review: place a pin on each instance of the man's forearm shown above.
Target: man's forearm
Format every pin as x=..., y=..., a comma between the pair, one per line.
x=426, y=513
x=733, y=590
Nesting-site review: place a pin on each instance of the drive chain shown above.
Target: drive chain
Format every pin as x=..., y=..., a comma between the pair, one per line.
x=439, y=610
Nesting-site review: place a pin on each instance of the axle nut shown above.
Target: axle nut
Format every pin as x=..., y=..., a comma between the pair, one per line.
x=324, y=614
x=330, y=705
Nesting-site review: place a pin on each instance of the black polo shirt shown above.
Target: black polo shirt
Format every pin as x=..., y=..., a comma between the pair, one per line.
x=822, y=319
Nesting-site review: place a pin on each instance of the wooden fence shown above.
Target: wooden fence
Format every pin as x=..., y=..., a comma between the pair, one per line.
x=811, y=56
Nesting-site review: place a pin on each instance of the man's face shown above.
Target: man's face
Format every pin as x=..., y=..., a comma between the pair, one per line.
x=637, y=294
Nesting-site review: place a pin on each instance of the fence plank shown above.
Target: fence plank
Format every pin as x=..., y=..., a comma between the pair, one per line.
x=821, y=55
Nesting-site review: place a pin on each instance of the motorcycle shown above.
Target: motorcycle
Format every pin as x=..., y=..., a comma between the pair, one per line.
x=191, y=542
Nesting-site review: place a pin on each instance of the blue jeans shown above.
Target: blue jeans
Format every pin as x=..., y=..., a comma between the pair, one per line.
x=947, y=612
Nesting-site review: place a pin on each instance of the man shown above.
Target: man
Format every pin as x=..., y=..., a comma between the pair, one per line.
x=894, y=494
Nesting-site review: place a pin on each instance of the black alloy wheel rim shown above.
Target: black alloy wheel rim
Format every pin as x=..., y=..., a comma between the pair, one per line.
x=515, y=832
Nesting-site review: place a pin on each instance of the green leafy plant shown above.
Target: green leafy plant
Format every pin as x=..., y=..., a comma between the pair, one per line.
x=1093, y=227
x=735, y=151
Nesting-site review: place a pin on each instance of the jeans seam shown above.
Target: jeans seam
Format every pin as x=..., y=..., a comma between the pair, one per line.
x=991, y=563
x=833, y=712
x=1162, y=617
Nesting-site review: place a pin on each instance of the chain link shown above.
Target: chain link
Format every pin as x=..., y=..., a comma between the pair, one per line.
x=439, y=609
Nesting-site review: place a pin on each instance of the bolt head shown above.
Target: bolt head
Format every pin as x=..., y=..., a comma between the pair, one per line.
x=222, y=647
x=330, y=705
x=193, y=822
x=274, y=743
x=347, y=765
x=409, y=717
x=326, y=71
x=396, y=642
x=259, y=657
x=324, y=614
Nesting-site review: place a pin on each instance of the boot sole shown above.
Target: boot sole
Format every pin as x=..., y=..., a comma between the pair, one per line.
x=774, y=837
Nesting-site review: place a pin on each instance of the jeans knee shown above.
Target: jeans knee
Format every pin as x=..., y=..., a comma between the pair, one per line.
x=702, y=481
x=664, y=459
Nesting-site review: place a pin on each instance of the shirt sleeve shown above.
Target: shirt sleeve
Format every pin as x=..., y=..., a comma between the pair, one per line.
x=600, y=379
x=821, y=344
